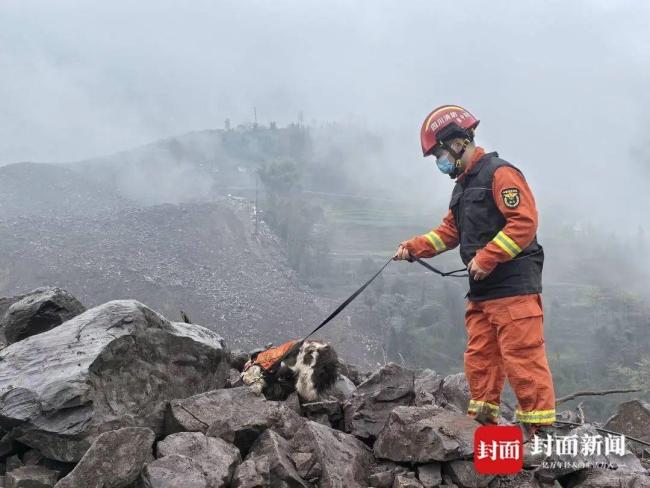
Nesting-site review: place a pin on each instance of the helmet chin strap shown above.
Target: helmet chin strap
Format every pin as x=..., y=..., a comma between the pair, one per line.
x=458, y=157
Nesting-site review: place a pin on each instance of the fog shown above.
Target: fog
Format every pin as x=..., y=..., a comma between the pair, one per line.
x=560, y=87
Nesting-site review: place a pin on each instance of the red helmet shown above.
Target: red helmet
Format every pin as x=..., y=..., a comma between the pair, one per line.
x=444, y=123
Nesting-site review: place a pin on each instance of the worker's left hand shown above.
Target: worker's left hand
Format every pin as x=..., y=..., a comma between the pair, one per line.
x=475, y=271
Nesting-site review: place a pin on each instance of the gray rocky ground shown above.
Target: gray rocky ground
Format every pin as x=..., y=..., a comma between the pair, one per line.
x=119, y=396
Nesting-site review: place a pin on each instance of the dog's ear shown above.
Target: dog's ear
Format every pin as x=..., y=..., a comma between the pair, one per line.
x=326, y=368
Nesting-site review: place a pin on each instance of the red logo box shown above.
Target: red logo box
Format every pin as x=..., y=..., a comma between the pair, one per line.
x=498, y=449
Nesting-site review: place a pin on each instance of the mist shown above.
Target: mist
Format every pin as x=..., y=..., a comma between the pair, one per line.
x=251, y=163
x=560, y=88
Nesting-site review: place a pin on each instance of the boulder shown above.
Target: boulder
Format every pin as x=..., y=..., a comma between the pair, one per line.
x=523, y=479
x=633, y=419
x=38, y=311
x=234, y=379
x=237, y=415
x=215, y=457
x=343, y=388
x=426, y=385
x=406, y=480
x=115, y=460
x=351, y=372
x=383, y=473
x=31, y=477
x=7, y=445
x=173, y=471
x=116, y=365
x=430, y=475
x=330, y=458
x=453, y=393
x=383, y=479
x=32, y=457
x=327, y=412
x=425, y=434
x=606, y=478
x=368, y=408
x=268, y=465
x=238, y=359
x=13, y=462
x=6, y=302
x=463, y=474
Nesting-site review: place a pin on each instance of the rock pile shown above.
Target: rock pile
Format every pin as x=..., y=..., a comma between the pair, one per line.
x=118, y=396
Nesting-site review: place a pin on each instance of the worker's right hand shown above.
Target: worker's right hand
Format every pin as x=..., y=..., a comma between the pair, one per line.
x=403, y=254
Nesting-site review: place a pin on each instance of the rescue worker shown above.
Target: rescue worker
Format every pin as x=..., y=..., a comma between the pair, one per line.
x=492, y=216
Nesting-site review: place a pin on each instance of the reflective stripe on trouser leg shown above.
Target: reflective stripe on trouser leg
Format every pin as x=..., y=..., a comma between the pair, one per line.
x=477, y=405
x=535, y=416
x=520, y=323
x=483, y=363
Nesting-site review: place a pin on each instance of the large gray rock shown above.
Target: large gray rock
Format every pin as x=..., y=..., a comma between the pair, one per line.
x=237, y=415
x=430, y=475
x=426, y=385
x=406, y=480
x=330, y=458
x=453, y=393
x=605, y=478
x=174, y=471
x=6, y=302
x=368, y=408
x=215, y=457
x=633, y=419
x=114, y=460
x=383, y=479
x=116, y=365
x=425, y=434
x=327, y=412
x=268, y=465
x=343, y=388
x=464, y=474
x=38, y=311
x=31, y=477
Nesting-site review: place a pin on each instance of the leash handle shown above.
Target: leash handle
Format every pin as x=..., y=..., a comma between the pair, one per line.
x=452, y=274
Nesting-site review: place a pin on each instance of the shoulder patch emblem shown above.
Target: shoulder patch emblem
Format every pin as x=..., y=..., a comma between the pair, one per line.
x=510, y=197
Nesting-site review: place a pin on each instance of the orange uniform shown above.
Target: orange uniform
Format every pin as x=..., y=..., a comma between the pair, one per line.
x=520, y=228
x=505, y=334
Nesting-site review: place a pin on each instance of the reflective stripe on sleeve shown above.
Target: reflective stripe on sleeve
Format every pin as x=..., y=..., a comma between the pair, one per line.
x=435, y=240
x=508, y=245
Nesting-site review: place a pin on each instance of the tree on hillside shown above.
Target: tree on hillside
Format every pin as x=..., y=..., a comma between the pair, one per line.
x=294, y=219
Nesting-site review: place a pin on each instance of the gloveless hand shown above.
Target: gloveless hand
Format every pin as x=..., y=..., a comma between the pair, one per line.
x=475, y=271
x=401, y=254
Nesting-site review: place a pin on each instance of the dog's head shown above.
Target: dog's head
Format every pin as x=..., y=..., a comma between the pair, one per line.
x=316, y=368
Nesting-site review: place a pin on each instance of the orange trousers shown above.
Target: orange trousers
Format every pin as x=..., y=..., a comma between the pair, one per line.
x=505, y=337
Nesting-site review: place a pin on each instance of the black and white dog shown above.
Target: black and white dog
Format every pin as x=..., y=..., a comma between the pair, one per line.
x=309, y=368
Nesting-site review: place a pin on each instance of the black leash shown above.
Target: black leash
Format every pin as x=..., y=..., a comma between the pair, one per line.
x=442, y=273
x=349, y=300
x=331, y=316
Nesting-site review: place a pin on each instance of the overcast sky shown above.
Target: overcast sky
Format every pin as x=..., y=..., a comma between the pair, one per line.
x=561, y=87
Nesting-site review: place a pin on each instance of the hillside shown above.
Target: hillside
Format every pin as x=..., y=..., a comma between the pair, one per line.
x=49, y=189
x=201, y=258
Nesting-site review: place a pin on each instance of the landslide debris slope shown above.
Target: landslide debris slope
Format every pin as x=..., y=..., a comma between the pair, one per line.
x=203, y=258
